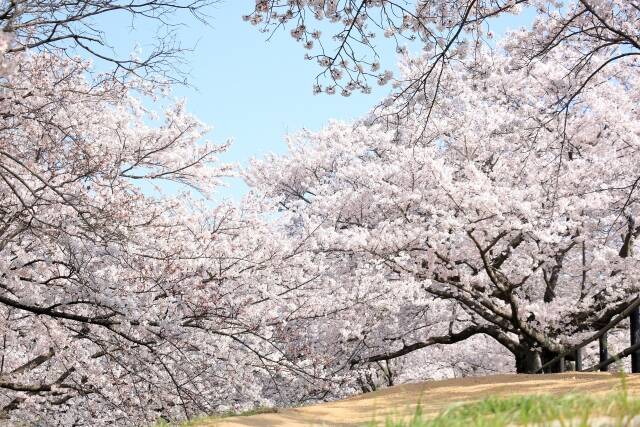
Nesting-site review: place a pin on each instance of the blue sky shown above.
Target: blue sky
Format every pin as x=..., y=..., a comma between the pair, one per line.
x=249, y=89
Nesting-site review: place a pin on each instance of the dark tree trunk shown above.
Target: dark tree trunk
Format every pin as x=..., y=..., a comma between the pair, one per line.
x=527, y=361
x=604, y=350
x=634, y=320
x=578, y=357
x=548, y=356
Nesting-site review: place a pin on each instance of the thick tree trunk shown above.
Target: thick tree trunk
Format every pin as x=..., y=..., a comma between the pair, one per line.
x=527, y=361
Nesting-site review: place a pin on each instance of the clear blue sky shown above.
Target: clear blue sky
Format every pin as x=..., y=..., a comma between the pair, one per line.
x=250, y=89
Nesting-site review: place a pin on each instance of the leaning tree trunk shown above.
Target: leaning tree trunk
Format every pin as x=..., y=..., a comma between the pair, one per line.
x=548, y=356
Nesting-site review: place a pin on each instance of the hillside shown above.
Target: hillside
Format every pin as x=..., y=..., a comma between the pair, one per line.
x=434, y=396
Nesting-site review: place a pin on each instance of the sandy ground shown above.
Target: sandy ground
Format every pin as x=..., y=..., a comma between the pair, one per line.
x=434, y=396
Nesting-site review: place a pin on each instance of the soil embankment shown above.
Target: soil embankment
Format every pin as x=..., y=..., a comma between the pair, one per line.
x=434, y=396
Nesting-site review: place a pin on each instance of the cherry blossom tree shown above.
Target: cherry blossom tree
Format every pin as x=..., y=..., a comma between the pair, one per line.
x=342, y=37
x=120, y=304
x=496, y=223
x=475, y=223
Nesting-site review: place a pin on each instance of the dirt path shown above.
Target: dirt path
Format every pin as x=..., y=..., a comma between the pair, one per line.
x=433, y=395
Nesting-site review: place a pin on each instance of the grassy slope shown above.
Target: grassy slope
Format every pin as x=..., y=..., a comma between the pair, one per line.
x=574, y=409
x=500, y=400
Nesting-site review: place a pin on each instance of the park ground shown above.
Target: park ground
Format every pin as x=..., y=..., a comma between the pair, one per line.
x=433, y=398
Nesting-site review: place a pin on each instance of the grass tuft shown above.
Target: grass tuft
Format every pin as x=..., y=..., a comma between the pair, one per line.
x=575, y=410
